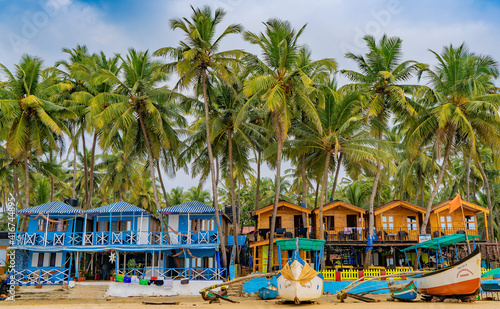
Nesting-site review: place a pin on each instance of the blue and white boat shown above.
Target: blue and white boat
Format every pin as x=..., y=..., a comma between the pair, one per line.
x=268, y=292
x=297, y=280
x=406, y=292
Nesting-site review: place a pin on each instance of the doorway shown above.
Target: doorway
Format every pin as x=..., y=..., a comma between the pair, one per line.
x=352, y=220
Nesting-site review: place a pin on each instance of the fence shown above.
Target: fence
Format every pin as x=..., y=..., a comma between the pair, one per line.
x=354, y=274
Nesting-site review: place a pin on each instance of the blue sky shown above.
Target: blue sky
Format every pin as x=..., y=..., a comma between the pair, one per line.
x=44, y=27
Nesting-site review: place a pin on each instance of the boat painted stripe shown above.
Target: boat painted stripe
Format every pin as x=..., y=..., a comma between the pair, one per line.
x=468, y=287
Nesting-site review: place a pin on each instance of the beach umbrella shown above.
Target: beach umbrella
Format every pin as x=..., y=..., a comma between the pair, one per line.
x=492, y=274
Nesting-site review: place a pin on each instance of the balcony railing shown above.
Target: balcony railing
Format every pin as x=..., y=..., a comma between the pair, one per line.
x=263, y=234
x=116, y=238
x=40, y=276
x=213, y=273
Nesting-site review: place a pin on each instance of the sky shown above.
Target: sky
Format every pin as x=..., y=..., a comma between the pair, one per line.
x=42, y=28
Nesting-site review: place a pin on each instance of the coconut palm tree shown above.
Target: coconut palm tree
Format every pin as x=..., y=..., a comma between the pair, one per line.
x=341, y=132
x=139, y=111
x=29, y=113
x=198, y=61
x=281, y=85
x=462, y=110
x=380, y=81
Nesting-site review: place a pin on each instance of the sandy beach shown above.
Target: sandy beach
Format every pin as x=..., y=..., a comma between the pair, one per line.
x=326, y=301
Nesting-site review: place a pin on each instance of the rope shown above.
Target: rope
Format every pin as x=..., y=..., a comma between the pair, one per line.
x=53, y=220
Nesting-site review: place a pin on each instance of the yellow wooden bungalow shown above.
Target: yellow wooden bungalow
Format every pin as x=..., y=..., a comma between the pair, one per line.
x=398, y=221
x=442, y=222
x=341, y=221
x=291, y=221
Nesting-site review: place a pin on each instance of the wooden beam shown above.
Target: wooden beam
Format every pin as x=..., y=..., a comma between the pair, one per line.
x=486, y=225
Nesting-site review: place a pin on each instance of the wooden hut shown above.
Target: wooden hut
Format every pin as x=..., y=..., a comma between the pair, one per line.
x=341, y=221
x=291, y=221
x=398, y=220
x=442, y=222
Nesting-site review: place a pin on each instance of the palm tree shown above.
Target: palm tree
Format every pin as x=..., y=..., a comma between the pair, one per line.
x=197, y=62
x=462, y=110
x=341, y=132
x=29, y=113
x=281, y=85
x=138, y=111
x=198, y=194
x=379, y=80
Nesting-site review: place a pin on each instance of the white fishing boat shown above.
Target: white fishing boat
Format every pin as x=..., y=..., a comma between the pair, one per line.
x=461, y=279
x=297, y=280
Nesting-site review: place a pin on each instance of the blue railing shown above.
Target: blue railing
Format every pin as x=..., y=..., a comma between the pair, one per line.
x=213, y=273
x=116, y=238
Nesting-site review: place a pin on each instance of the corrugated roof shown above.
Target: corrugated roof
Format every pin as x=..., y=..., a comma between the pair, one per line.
x=56, y=207
x=189, y=207
x=116, y=207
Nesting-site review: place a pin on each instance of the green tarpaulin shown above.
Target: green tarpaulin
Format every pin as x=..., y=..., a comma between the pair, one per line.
x=305, y=244
x=442, y=241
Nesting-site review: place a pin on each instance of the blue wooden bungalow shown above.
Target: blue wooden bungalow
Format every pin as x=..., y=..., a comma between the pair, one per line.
x=62, y=242
x=192, y=231
x=41, y=255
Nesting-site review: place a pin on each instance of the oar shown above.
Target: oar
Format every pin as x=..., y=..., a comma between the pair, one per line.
x=342, y=294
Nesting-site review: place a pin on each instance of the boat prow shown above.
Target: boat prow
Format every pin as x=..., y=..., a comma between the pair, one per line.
x=298, y=281
x=460, y=279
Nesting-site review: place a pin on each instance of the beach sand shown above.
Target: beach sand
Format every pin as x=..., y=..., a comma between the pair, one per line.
x=327, y=301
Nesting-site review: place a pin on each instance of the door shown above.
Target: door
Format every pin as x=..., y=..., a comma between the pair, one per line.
x=143, y=230
x=173, y=228
x=352, y=220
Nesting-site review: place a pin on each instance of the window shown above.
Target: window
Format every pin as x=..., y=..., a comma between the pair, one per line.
x=202, y=224
x=40, y=259
x=446, y=222
x=278, y=222
x=40, y=225
x=52, y=262
x=200, y=262
x=471, y=224
x=128, y=225
x=61, y=225
x=329, y=223
x=388, y=222
x=102, y=226
x=412, y=223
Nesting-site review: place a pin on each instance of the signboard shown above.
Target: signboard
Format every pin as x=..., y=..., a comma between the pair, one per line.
x=424, y=237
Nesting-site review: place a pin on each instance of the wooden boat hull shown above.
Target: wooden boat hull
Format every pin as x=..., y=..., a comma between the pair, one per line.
x=294, y=290
x=491, y=285
x=268, y=292
x=406, y=293
x=460, y=279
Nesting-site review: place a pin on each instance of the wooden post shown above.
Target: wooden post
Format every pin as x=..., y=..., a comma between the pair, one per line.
x=465, y=228
x=486, y=225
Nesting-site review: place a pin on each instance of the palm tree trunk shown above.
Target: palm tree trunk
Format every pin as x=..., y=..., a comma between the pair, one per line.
x=304, y=187
x=488, y=195
x=212, y=171
x=316, y=194
x=86, y=175
x=371, y=217
x=161, y=183
x=421, y=179
x=92, y=163
x=26, y=178
x=51, y=180
x=75, y=151
x=233, y=205
x=438, y=183
x=339, y=161
x=467, y=181
x=281, y=137
x=418, y=186
x=257, y=193
x=322, y=195
x=16, y=184
x=151, y=160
